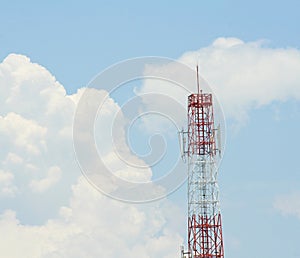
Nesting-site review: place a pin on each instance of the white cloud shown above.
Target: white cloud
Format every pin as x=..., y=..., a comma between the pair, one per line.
x=248, y=75
x=35, y=125
x=7, y=187
x=288, y=204
x=36, y=119
x=22, y=82
x=227, y=42
x=23, y=133
x=95, y=226
x=13, y=158
x=42, y=185
x=244, y=75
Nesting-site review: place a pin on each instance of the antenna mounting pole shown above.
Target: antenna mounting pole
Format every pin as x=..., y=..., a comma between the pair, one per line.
x=198, y=84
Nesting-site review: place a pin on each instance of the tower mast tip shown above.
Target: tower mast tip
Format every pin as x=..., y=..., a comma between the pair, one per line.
x=198, y=83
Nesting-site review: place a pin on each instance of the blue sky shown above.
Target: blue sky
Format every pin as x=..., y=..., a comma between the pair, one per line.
x=72, y=38
x=259, y=172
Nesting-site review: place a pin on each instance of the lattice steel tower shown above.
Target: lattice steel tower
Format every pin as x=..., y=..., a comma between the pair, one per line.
x=205, y=238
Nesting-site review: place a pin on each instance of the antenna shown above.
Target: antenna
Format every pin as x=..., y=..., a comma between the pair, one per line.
x=182, y=144
x=219, y=139
x=198, y=84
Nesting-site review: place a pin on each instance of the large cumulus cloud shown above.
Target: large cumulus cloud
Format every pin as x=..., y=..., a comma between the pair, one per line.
x=39, y=176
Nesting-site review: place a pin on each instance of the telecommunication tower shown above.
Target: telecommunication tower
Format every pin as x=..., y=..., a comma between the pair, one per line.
x=205, y=239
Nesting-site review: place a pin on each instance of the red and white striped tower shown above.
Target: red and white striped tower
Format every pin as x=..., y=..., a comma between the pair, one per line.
x=205, y=238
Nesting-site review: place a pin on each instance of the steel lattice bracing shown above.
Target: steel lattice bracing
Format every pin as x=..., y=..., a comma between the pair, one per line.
x=204, y=219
